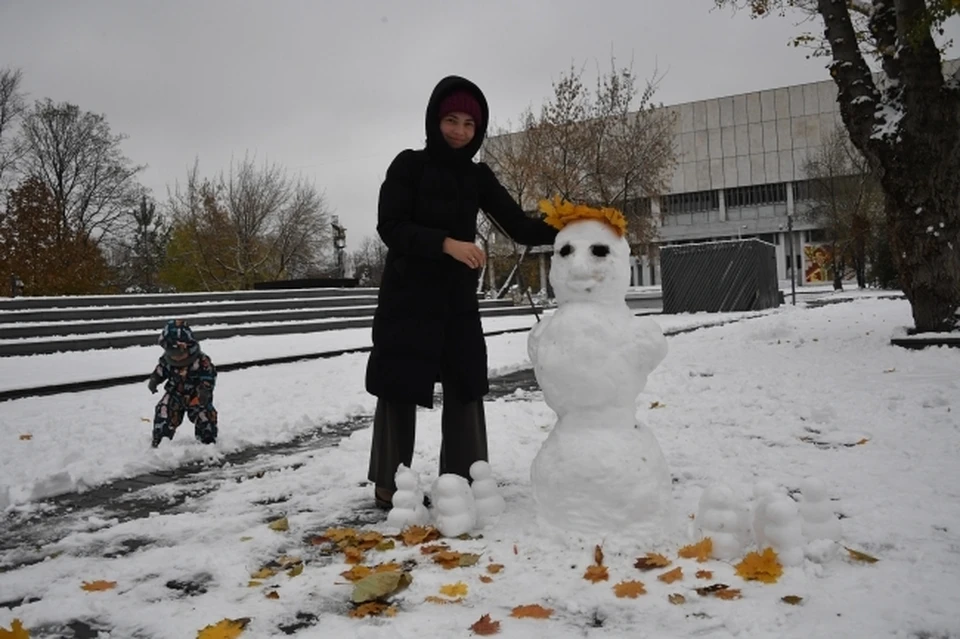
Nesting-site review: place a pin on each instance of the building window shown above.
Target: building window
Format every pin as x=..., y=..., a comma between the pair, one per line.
x=690, y=202
x=756, y=195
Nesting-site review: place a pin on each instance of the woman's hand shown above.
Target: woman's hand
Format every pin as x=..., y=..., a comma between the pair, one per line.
x=466, y=252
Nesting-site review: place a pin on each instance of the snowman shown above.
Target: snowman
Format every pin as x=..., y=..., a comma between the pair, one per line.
x=599, y=470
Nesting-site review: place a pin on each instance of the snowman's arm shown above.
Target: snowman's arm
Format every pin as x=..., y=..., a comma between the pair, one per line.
x=533, y=339
x=648, y=335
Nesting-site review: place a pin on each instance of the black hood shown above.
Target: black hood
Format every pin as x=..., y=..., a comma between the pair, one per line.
x=436, y=145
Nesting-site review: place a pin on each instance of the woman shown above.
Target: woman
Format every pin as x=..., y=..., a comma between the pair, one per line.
x=427, y=324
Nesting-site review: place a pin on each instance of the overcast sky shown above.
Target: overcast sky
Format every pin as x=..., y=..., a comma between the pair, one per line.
x=334, y=89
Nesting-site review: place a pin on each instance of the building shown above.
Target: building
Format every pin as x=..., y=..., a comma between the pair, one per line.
x=740, y=173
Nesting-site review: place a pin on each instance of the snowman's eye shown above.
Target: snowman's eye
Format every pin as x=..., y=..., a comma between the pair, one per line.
x=566, y=250
x=600, y=250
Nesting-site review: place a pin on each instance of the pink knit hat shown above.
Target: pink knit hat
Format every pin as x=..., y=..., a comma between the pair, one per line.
x=463, y=102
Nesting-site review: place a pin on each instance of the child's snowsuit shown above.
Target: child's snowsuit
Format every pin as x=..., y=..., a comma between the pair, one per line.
x=190, y=379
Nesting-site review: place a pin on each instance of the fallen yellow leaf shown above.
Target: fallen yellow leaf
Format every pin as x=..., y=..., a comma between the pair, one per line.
x=458, y=589
x=296, y=570
x=485, y=626
x=224, y=629
x=254, y=583
x=676, y=599
x=96, y=586
x=631, y=589
x=440, y=600
x=336, y=535
x=17, y=631
x=373, y=609
x=485, y=579
x=25, y=438
x=650, y=561
x=704, y=574
x=279, y=525
x=416, y=535
x=494, y=568
x=793, y=600
x=263, y=573
x=533, y=611
x=763, y=566
x=596, y=573
x=353, y=555
x=598, y=555
x=861, y=556
x=273, y=594
x=699, y=551
x=728, y=594
x=672, y=575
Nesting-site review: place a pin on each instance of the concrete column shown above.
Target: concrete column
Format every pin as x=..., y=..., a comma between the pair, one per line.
x=723, y=205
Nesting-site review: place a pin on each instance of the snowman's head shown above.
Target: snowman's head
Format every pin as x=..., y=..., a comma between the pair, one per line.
x=591, y=263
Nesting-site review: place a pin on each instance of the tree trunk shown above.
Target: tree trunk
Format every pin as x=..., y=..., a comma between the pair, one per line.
x=926, y=251
x=910, y=134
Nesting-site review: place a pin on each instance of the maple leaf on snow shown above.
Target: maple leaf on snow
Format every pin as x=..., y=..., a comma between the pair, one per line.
x=532, y=611
x=671, y=575
x=596, y=573
x=650, y=561
x=485, y=626
x=760, y=566
x=700, y=551
x=373, y=609
x=458, y=589
x=416, y=535
x=631, y=589
x=17, y=631
x=224, y=629
x=99, y=585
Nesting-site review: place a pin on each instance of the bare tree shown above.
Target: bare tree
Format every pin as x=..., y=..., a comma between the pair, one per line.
x=908, y=129
x=253, y=223
x=631, y=147
x=138, y=258
x=369, y=260
x=845, y=201
x=11, y=110
x=564, y=140
x=76, y=156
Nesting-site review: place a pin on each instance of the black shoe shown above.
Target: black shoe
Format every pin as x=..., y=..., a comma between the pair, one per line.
x=157, y=436
x=207, y=435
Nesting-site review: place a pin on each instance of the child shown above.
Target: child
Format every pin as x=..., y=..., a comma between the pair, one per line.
x=427, y=323
x=190, y=377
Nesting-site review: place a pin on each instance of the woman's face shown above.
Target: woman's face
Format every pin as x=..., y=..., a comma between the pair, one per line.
x=458, y=129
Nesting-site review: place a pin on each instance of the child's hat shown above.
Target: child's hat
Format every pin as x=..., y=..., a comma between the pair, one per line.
x=464, y=102
x=176, y=331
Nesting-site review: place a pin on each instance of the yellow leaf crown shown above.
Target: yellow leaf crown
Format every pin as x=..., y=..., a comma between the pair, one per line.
x=560, y=213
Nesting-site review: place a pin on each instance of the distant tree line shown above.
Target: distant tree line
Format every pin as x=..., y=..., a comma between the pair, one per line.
x=74, y=218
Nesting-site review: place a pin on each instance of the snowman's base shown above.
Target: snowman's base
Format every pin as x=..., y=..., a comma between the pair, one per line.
x=603, y=482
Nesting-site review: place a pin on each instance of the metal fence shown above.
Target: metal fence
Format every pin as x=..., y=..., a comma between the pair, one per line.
x=735, y=275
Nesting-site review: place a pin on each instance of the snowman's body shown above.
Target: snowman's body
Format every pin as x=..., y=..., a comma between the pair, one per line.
x=599, y=470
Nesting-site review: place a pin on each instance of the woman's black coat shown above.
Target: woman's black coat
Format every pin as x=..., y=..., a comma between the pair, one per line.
x=427, y=321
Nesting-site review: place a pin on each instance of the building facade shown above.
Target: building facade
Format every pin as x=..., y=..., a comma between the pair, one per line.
x=740, y=173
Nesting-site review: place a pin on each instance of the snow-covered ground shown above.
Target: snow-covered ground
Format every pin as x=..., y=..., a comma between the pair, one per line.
x=797, y=393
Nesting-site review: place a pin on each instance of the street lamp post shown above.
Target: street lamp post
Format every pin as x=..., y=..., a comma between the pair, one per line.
x=793, y=262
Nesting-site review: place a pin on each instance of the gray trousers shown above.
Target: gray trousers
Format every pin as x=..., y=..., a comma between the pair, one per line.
x=464, y=440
